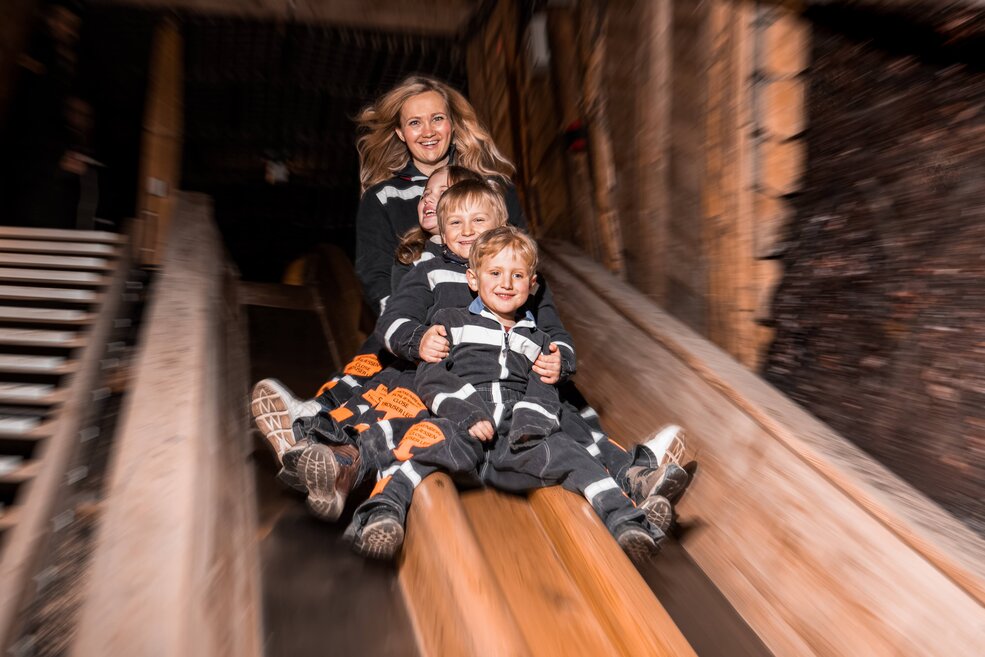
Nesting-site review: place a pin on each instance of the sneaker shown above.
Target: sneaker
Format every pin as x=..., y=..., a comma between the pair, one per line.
x=274, y=410
x=668, y=445
x=658, y=511
x=381, y=536
x=669, y=481
x=328, y=472
x=637, y=543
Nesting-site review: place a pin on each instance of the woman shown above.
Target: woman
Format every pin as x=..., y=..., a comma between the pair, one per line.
x=416, y=127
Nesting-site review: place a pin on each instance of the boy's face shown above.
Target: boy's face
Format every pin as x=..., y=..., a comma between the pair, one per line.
x=427, y=214
x=464, y=225
x=503, y=282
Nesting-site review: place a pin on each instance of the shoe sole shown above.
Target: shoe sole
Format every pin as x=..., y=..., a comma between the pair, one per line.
x=638, y=546
x=318, y=470
x=381, y=539
x=659, y=512
x=272, y=418
x=673, y=485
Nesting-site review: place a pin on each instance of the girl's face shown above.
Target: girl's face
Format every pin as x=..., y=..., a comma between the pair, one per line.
x=464, y=225
x=426, y=129
x=427, y=207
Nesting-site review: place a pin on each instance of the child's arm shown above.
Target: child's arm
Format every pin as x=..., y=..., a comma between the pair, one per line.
x=548, y=321
x=402, y=324
x=445, y=393
x=537, y=414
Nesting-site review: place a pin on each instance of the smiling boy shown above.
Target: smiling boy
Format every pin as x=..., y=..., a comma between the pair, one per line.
x=496, y=423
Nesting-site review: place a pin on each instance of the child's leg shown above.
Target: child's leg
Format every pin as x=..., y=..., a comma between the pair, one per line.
x=405, y=461
x=559, y=460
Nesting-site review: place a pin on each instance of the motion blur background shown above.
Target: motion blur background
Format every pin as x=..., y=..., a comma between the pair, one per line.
x=798, y=181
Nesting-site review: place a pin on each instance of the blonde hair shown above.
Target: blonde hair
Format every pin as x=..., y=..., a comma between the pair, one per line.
x=471, y=192
x=412, y=242
x=493, y=241
x=382, y=154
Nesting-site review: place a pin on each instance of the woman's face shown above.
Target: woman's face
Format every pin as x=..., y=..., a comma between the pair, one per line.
x=427, y=207
x=426, y=129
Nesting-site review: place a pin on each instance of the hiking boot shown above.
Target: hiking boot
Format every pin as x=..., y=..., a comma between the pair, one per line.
x=637, y=543
x=328, y=472
x=381, y=536
x=658, y=511
x=274, y=410
x=669, y=481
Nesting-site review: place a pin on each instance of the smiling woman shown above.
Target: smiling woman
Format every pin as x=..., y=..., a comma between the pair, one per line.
x=416, y=127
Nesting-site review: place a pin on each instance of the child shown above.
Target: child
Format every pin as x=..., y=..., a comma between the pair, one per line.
x=496, y=422
x=276, y=410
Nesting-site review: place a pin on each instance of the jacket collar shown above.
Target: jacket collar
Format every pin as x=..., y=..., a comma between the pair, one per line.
x=526, y=318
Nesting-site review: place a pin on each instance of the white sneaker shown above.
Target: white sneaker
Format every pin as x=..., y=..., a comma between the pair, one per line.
x=668, y=445
x=274, y=410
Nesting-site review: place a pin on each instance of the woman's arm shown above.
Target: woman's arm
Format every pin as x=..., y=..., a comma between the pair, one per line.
x=376, y=242
x=403, y=323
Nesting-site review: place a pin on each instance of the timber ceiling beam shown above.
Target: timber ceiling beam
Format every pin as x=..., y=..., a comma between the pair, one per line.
x=431, y=17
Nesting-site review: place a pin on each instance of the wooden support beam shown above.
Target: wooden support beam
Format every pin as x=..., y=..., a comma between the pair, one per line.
x=566, y=68
x=592, y=37
x=819, y=548
x=161, y=143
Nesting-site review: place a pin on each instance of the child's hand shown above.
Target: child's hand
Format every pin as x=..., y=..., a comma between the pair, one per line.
x=434, y=345
x=482, y=430
x=549, y=366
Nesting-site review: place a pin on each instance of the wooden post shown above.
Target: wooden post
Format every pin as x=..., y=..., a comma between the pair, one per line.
x=650, y=237
x=591, y=47
x=567, y=76
x=160, y=151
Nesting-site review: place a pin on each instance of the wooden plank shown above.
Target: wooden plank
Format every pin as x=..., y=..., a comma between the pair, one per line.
x=20, y=474
x=174, y=525
x=25, y=315
x=40, y=338
x=26, y=428
x=275, y=295
x=61, y=234
x=446, y=583
x=62, y=248
x=64, y=295
x=9, y=516
x=620, y=599
x=551, y=612
x=33, y=394
x=80, y=278
x=55, y=262
x=790, y=518
x=35, y=364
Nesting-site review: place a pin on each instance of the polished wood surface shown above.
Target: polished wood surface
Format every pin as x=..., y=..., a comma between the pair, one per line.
x=806, y=536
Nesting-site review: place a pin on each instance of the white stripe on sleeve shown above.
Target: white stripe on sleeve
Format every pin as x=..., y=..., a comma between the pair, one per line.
x=461, y=393
x=592, y=490
x=393, y=329
x=537, y=408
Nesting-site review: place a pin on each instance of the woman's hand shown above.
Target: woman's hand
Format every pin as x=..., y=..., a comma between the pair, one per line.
x=549, y=366
x=434, y=345
x=482, y=430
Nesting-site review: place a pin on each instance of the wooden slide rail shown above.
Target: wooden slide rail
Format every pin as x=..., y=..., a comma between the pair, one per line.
x=818, y=547
x=490, y=574
x=175, y=571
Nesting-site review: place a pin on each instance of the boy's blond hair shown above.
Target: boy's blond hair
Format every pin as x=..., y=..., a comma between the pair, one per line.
x=493, y=241
x=471, y=192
